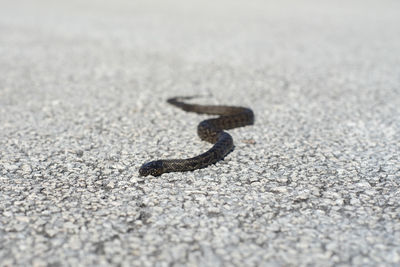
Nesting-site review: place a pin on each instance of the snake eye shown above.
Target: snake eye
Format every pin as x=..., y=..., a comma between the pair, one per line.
x=154, y=168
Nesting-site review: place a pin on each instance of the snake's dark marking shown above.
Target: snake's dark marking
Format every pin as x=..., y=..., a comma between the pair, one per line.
x=211, y=130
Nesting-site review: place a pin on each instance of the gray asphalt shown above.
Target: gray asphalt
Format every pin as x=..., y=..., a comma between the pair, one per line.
x=315, y=182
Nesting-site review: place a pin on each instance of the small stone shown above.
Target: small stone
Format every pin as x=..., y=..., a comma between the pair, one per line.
x=7, y=214
x=38, y=263
x=20, y=226
x=22, y=218
x=75, y=243
x=354, y=201
x=10, y=167
x=111, y=185
x=51, y=232
x=26, y=168
x=279, y=189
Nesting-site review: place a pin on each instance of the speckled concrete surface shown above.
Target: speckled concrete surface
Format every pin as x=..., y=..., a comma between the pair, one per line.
x=315, y=181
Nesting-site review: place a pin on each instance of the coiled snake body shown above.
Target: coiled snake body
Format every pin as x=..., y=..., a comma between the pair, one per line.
x=211, y=130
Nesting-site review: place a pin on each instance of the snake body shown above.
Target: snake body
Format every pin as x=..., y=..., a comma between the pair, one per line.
x=211, y=130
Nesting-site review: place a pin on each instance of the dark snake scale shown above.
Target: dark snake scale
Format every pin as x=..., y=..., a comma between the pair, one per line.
x=211, y=130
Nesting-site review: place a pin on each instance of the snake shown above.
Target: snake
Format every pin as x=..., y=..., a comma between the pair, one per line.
x=210, y=130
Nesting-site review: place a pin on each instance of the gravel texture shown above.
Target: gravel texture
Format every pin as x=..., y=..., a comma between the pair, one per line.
x=316, y=181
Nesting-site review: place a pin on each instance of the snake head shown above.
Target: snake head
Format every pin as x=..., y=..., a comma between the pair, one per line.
x=154, y=168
